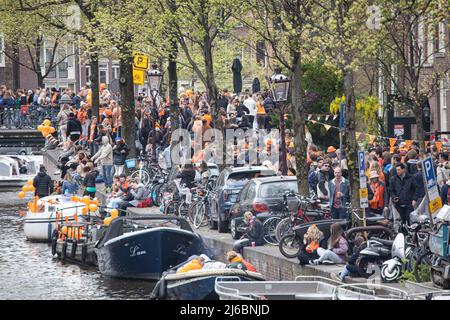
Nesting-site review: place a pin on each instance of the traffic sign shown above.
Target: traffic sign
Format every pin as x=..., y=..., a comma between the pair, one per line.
x=363, y=193
x=362, y=169
x=138, y=76
x=140, y=61
x=435, y=205
x=428, y=171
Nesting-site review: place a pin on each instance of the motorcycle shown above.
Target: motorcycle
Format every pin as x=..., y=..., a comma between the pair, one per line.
x=392, y=269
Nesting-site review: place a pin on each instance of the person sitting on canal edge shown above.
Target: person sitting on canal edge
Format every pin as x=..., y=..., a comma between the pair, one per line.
x=337, y=247
x=254, y=233
x=312, y=240
x=235, y=261
x=43, y=183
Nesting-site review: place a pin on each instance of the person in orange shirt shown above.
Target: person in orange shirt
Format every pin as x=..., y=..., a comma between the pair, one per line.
x=260, y=112
x=195, y=264
x=82, y=116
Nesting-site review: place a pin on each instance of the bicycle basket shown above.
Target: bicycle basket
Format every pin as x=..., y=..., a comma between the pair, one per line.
x=130, y=163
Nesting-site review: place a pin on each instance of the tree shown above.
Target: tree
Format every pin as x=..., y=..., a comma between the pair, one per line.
x=343, y=36
x=197, y=24
x=283, y=26
x=407, y=42
x=41, y=41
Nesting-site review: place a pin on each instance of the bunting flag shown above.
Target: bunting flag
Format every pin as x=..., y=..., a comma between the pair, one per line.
x=370, y=138
x=358, y=135
x=327, y=117
x=313, y=121
x=309, y=116
x=408, y=144
x=327, y=126
x=392, y=142
x=438, y=145
x=318, y=117
x=335, y=117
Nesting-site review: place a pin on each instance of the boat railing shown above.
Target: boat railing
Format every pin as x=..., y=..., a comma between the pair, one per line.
x=230, y=293
x=364, y=291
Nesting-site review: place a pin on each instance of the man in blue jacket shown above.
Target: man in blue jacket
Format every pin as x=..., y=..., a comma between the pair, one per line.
x=339, y=195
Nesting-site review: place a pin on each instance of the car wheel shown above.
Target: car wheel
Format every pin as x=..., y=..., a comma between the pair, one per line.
x=222, y=226
x=234, y=233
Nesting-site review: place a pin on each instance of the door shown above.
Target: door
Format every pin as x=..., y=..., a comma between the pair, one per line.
x=215, y=193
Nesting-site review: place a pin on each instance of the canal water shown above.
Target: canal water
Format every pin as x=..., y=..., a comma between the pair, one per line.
x=29, y=271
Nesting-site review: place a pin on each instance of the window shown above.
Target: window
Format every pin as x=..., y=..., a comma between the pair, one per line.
x=103, y=73
x=277, y=189
x=88, y=74
x=116, y=72
x=2, y=55
x=441, y=40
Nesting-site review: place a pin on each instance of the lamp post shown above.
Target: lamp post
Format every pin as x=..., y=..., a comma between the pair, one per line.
x=154, y=78
x=279, y=84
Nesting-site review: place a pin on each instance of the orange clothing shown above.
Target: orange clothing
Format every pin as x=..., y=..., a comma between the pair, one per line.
x=260, y=108
x=193, y=265
x=208, y=118
x=82, y=116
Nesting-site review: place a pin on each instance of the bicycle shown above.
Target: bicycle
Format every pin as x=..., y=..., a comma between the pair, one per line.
x=308, y=209
x=200, y=209
x=142, y=173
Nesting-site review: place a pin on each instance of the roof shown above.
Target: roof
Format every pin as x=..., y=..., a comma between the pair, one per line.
x=275, y=179
x=248, y=168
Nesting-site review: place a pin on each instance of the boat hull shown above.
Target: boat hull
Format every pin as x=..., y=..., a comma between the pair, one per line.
x=148, y=253
x=78, y=257
x=197, y=285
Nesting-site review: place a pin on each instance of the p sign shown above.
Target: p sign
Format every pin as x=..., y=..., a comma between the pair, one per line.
x=428, y=172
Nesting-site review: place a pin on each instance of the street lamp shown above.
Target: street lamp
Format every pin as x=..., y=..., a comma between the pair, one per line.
x=154, y=76
x=279, y=84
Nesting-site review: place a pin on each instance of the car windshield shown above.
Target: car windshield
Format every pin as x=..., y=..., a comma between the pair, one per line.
x=241, y=178
x=277, y=189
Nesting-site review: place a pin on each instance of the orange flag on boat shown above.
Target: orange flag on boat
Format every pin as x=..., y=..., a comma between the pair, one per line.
x=438, y=145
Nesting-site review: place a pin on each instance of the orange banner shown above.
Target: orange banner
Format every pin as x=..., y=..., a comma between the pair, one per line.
x=438, y=145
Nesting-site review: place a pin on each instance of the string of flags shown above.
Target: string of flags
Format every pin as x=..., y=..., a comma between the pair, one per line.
x=371, y=137
x=324, y=116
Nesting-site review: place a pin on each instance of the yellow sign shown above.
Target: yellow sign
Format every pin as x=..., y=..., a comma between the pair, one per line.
x=435, y=205
x=140, y=61
x=363, y=193
x=138, y=76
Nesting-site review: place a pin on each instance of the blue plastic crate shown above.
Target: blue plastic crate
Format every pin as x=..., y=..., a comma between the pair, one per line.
x=130, y=163
x=439, y=241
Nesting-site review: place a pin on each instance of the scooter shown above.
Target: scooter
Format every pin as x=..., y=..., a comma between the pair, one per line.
x=391, y=269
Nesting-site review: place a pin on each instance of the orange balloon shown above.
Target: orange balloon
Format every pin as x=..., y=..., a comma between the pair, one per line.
x=30, y=182
x=25, y=188
x=107, y=221
x=64, y=230
x=95, y=201
x=21, y=195
x=114, y=213
x=40, y=127
x=93, y=207
x=84, y=210
x=31, y=188
x=86, y=200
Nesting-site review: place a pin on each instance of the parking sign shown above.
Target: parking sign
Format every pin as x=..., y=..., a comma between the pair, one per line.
x=428, y=171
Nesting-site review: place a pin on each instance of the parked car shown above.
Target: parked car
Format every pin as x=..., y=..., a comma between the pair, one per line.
x=264, y=198
x=225, y=190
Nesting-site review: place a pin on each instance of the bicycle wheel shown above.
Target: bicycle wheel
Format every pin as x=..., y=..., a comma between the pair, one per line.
x=200, y=215
x=171, y=208
x=270, y=226
x=424, y=261
x=283, y=227
x=290, y=245
x=143, y=175
x=183, y=210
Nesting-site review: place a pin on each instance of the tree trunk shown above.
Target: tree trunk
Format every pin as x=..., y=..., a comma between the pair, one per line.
x=298, y=112
x=351, y=145
x=210, y=84
x=173, y=86
x=40, y=80
x=95, y=85
x=418, y=113
x=38, y=71
x=127, y=103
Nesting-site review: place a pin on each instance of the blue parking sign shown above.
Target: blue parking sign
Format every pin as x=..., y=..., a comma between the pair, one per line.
x=362, y=163
x=428, y=172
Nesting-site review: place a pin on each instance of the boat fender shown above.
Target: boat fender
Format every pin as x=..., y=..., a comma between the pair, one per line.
x=64, y=250
x=54, y=242
x=74, y=249
x=84, y=252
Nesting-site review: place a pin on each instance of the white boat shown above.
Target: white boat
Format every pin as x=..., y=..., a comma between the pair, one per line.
x=39, y=226
x=16, y=170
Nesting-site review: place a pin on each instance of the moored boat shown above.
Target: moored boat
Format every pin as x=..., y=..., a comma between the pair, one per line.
x=41, y=224
x=15, y=170
x=143, y=247
x=197, y=284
